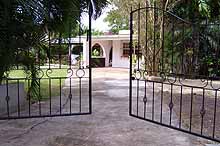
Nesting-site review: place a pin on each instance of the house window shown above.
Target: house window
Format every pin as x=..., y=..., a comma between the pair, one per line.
x=126, y=52
x=126, y=45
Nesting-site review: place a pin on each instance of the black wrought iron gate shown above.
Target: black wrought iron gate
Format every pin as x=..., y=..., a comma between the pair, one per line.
x=58, y=81
x=174, y=65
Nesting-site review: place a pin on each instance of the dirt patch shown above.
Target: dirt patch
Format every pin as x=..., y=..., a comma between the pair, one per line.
x=195, y=110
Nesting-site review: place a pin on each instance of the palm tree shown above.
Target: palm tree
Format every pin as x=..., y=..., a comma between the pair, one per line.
x=25, y=25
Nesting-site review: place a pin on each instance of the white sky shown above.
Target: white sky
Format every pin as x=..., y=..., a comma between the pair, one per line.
x=99, y=23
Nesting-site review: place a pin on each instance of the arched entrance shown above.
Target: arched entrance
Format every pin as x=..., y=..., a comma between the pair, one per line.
x=98, y=56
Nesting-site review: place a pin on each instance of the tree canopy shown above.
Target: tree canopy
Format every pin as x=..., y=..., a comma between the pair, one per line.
x=195, y=11
x=182, y=8
x=116, y=21
x=26, y=26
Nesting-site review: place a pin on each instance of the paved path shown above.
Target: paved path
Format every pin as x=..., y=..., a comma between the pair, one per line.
x=109, y=125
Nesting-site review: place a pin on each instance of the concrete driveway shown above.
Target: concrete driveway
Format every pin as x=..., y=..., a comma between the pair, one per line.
x=109, y=125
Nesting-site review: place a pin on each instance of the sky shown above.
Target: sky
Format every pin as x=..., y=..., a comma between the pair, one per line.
x=99, y=23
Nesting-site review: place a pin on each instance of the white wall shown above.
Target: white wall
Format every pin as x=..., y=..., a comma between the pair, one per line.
x=118, y=60
x=85, y=53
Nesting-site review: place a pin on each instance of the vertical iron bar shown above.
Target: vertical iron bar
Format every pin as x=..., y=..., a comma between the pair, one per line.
x=203, y=109
x=39, y=98
x=215, y=110
x=145, y=97
x=217, y=54
x=145, y=102
x=162, y=62
x=153, y=103
x=171, y=103
x=216, y=92
x=183, y=49
x=70, y=67
x=18, y=98
x=137, y=96
x=49, y=46
x=206, y=37
x=161, y=104
x=7, y=40
x=194, y=45
x=60, y=96
x=50, y=93
x=90, y=58
x=191, y=110
x=80, y=94
x=181, y=102
x=29, y=99
x=69, y=44
x=145, y=65
x=146, y=53
x=17, y=66
x=38, y=58
x=138, y=59
x=162, y=65
x=60, y=56
x=172, y=55
x=70, y=96
x=80, y=31
x=154, y=35
x=139, y=35
x=130, y=54
x=7, y=98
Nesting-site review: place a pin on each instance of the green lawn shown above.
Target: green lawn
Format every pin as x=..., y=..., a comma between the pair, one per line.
x=57, y=78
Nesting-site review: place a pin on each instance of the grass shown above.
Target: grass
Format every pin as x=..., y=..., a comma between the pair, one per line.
x=57, y=78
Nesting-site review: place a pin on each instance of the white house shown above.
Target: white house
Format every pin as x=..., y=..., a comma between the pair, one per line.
x=114, y=49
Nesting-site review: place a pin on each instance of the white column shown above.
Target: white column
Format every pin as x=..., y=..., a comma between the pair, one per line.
x=116, y=54
x=85, y=53
x=107, y=51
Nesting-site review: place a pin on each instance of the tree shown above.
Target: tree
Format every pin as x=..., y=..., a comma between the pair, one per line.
x=159, y=26
x=124, y=9
x=97, y=32
x=201, y=39
x=116, y=21
x=27, y=25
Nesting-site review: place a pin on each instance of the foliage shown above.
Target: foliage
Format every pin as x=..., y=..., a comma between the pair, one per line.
x=198, y=47
x=197, y=10
x=97, y=32
x=201, y=38
x=77, y=49
x=116, y=21
x=97, y=51
x=27, y=25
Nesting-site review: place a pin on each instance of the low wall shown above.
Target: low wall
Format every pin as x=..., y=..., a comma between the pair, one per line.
x=98, y=62
x=14, y=99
